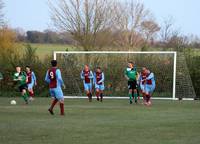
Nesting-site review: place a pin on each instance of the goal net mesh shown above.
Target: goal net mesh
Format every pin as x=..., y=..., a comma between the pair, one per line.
x=113, y=66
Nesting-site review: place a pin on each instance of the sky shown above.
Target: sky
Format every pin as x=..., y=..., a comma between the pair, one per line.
x=35, y=14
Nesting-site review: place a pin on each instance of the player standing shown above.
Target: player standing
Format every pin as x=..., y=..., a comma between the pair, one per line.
x=99, y=83
x=131, y=75
x=31, y=81
x=54, y=79
x=21, y=79
x=142, y=83
x=137, y=83
x=147, y=85
x=87, y=76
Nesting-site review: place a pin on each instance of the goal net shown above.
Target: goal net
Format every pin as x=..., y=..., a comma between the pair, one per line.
x=172, y=76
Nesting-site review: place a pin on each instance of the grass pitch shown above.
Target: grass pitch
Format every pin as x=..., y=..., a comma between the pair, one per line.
x=110, y=122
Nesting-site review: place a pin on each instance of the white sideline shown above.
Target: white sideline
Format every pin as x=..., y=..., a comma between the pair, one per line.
x=115, y=97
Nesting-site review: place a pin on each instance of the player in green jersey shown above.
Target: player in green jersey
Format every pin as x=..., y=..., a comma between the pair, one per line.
x=131, y=75
x=21, y=79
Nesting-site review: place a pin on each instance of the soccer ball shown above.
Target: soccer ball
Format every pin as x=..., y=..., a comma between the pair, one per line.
x=13, y=102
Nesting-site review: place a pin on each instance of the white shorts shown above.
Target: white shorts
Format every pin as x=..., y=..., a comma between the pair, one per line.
x=100, y=87
x=88, y=86
x=30, y=86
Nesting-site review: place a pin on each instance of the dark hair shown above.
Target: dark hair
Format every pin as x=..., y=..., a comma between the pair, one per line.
x=28, y=67
x=131, y=62
x=98, y=68
x=54, y=63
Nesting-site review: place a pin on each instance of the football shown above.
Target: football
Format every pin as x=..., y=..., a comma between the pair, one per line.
x=13, y=102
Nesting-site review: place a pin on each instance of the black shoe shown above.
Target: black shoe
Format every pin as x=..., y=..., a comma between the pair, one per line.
x=101, y=95
x=26, y=102
x=131, y=102
x=97, y=99
x=50, y=111
x=101, y=100
x=90, y=98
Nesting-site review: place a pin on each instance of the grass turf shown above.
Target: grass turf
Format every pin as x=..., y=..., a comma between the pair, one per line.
x=47, y=49
x=110, y=122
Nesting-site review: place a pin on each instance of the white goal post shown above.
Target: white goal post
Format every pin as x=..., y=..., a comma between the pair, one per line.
x=174, y=53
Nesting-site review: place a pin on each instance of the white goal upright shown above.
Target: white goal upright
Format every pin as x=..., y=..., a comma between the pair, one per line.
x=173, y=81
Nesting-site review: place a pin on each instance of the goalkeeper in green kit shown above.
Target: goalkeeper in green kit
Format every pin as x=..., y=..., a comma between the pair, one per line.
x=21, y=79
x=131, y=75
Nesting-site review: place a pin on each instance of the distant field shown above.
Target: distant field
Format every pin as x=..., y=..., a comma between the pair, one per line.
x=110, y=122
x=47, y=49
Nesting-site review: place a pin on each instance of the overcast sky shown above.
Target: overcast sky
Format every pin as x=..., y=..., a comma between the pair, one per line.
x=34, y=14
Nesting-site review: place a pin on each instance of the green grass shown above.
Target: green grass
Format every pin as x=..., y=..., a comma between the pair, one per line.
x=110, y=122
x=47, y=49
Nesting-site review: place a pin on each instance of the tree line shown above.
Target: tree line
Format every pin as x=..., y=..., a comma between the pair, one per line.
x=168, y=40
x=47, y=36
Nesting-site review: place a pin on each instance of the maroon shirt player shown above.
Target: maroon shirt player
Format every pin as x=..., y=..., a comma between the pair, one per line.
x=87, y=76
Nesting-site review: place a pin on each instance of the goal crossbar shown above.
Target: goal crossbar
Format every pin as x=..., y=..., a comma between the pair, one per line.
x=130, y=52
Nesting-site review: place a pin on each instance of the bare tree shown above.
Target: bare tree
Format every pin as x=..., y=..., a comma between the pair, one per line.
x=134, y=20
x=149, y=28
x=171, y=36
x=84, y=19
x=167, y=29
x=178, y=41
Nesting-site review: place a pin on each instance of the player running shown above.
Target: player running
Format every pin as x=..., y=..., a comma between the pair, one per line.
x=31, y=82
x=147, y=85
x=54, y=79
x=99, y=83
x=87, y=76
x=131, y=75
x=21, y=79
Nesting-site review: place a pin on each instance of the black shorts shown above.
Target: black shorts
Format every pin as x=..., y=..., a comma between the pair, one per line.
x=132, y=84
x=22, y=87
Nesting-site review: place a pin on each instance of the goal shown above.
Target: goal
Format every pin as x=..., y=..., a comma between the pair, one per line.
x=173, y=81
